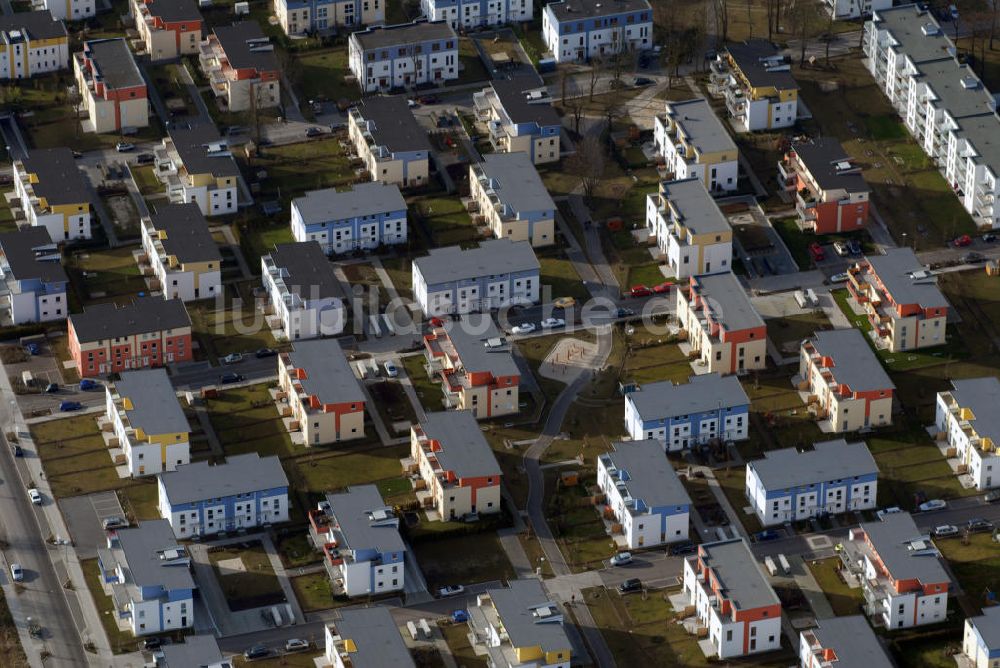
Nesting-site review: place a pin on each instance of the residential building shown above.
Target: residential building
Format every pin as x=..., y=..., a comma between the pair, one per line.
x=845, y=381
x=389, y=141
x=240, y=63
x=756, y=79
x=842, y=641
x=733, y=599
x=112, y=90
x=695, y=145
x=147, y=574
x=465, y=14
x=680, y=416
x=359, y=536
x=32, y=43
x=476, y=366
x=578, y=30
x=518, y=112
x=403, y=56
x=303, y=295
x=147, y=422
x=981, y=639
x=842, y=10
x=967, y=417
x=71, y=10
x=834, y=477
x=195, y=165
x=902, y=577
x=181, y=253
x=53, y=194
x=901, y=299
x=367, y=216
x=519, y=625
x=107, y=338
x=362, y=637
x=327, y=403
x=831, y=195
x=34, y=282
x=167, y=28
x=245, y=492
x=723, y=328
x=509, y=196
x=643, y=494
x=196, y=650
x=690, y=230
x=460, y=472
x=462, y=280
x=301, y=17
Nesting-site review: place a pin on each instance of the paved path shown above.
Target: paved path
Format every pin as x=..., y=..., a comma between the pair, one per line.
x=107, y=222
x=206, y=426
x=234, y=245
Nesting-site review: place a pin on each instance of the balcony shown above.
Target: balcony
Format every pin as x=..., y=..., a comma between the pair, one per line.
x=788, y=174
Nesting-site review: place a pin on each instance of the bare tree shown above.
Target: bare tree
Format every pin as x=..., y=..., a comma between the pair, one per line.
x=562, y=87
x=596, y=65
x=720, y=8
x=74, y=100
x=994, y=10
x=575, y=106
x=806, y=19
x=588, y=163
x=773, y=9
x=612, y=110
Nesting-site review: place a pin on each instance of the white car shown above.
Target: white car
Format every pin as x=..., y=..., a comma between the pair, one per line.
x=549, y=323
x=35, y=496
x=892, y=510
x=945, y=530
x=933, y=504
x=841, y=248
x=16, y=573
x=839, y=278
x=124, y=147
x=391, y=369
x=296, y=645
x=621, y=559
x=526, y=328
x=451, y=590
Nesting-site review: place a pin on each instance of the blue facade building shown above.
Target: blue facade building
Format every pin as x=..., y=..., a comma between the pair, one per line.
x=578, y=30
x=474, y=13
x=34, y=278
x=365, y=217
x=307, y=16
x=404, y=55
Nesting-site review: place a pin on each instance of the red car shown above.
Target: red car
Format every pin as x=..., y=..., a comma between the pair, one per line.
x=437, y=322
x=640, y=291
x=662, y=288
x=816, y=251
x=963, y=241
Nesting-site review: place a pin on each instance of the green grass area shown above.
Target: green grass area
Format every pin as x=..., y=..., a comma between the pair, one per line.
x=392, y=403
x=910, y=462
x=560, y=274
x=120, y=641
x=445, y=220
x=457, y=638
x=343, y=468
x=843, y=599
x=74, y=456
x=169, y=82
x=141, y=500
x=246, y=420
x=258, y=236
x=471, y=67
x=314, y=592
x=648, y=274
x=296, y=550
x=655, y=362
x=975, y=561
x=778, y=417
x=795, y=239
x=788, y=332
x=428, y=389
x=576, y=524
x=287, y=176
x=400, y=272
x=250, y=585
x=928, y=650
x=321, y=75
x=462, y=559
x=145, y=178
x=300, y=660
x=221, y=332
x=103, y=275
x=732, y=482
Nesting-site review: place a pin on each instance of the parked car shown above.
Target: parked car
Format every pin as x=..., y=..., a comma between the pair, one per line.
x=564, y=302
x=841, y=248
x=231, y=378
x=625, y=313
x=682, y=548
x=145, y=159
x=972, y=257
x=266, y=352
x=630, y=585
x=124, y=147
x=640, y=291
x=114, y=522
x=854, y=246
x=428, y=99
x=816, y=252
x=642, y=81
x=88, y=384
x=17, y=450
x=933, y=504
x=549, y=323
x=523, y=328
x=152, y=643
x=314, y=131
x=839, y=278
x=69, y=406
x=979, y=525
x=953, y=12
x=992, y=497
x=766, y=535
x=391, y=369
x=296, y=645
x=232, y=358
x=35, y=496
x=963, y=241
x=256, y=652
x=459, y=616
x=451, y=590
x=662, y=288
x=621, y=559
x=32, y=348
x=52, y=388
x=891, y=510
x=945, y=530
x=16, y=572
x=989, y=238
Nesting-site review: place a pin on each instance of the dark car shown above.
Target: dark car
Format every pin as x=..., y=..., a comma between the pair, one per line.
x=52, y=388
x=686, y=547
x=979, y=525
x=854, y=246
x=428, y=99
x=88, y=384
x=68, y=406
x=992, y=497
x=231, y=378
x=256, y=652
x=145, y=159
x=266, y=352
x=17, y=450
x=314, y=132
x=642, y=81
x=152, y=643
x=630, y=585
x=973, y=258
x=33, y=348
x=625, y=313
x=765, y=535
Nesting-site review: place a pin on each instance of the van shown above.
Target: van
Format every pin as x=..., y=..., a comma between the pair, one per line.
x=801, y=299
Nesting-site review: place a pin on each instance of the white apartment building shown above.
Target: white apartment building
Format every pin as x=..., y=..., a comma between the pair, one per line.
x=32, y=280
x=32, y=43
x=195, y=165
x=404, y=55
x=694, y=144
x=181, y=253
x=842, y=642
x=366, y=637
x=67, y=10
x=303, y=295
x=464, y=14
x=981, y=639
x=53, y=194
x=690, y=230
x=579, y=30
x=968, y=417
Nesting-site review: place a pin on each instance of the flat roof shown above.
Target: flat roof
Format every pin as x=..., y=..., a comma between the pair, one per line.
x=959, y=90
x=186, y=233
x=895, y=270
x=199, y=651
x=393, y=124
x=351, y=509
x=916, y=32
x=421, y=30
x=988, y=626
x=983, y=132
x=31, y=254
x=202, y=149
x=574, y=10
x=464, y=449
x=516, y=182
x=247, y=47
x=854, y=363
x=739, y=575
x=364, y=199
x=469, y=333
x=729, y=301
x=852, y=640
x=824, y=158
x=982, y=397
x=706, y=392
x=155, y=408
x=174, y=10
x=142, y=545
x=650, y=478
x=59, y=179
x=242, y=474
x=753, y=58
x=695, y=207
x=529, y=615
x=329, y=376
x=493, y=257
x=113, y=61
x=147, y=314
x=906, y=552
x=829, y=460
x=701, y=126
x=513, y=95
x=375, y=638
x=36, y=25
x=309, y=273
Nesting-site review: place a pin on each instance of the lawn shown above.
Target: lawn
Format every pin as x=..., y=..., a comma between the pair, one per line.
x=401, y=274
x=246, y=420
x=145, y=178
x=121, y=641
x=220, y=332
x=293, y=169
x=470, y=65
x=141, y=500
x=296, y=550
x=347, y=466
x=910, y=462
x=975, y=562
x=258, y=236
x=778, y=417
x=575, y=523
x=321, y=75
x=74, y=456
x=313, y=591
x=445, y=220
x=428, y=390
x=655, y=362
x=457, y=637
x=560, y=275
x=648, y=274
x=465, y=560
x=250, y=585
x=844, y=600
x=795, y=239
x=788, y=332
x=103, y=275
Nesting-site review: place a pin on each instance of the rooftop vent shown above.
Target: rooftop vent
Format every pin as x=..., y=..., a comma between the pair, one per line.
x=970, y=83
x=929, y=29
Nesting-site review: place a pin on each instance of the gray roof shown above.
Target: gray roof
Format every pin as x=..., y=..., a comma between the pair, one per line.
x=150, y=314
x=574, y=10
x=351, y=509
x=464, y=449
x=829, y=460
x=512, y=94
x=982, y=396
x=328, y=374
x=141, y=547
x=696, y=208
x=202, y=149
x=469, y=335
x=908, y=25
x=894, y=270
x=310, y=274
x=247, y=47
x=516, y=605
x=380, y=37
x=822, y=157
x=200, y=651
x=59, y=179
x=988, y=625
x=493, y=257
x=113, y=61
x=393, y=124
x=701, y=126
x=242, y=474
x=187, y=235
x=983, y=132
x=707, y=392
x=959, y=90
x=906, y=552
x=174, y=10
x=854, y=363
x=648, y=474
x=752, y=57
x=738, y=573
x=155, y=408
x=376, y=638
x=853, y=641
x=728, y=301
x=36, y=25
x=24, y=250
x=517, y=182
x=364, y=199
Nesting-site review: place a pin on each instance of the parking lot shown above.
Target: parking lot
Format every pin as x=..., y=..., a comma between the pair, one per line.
x=84, y=515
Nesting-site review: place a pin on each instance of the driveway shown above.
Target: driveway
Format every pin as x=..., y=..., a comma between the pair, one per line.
x=83, y=517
